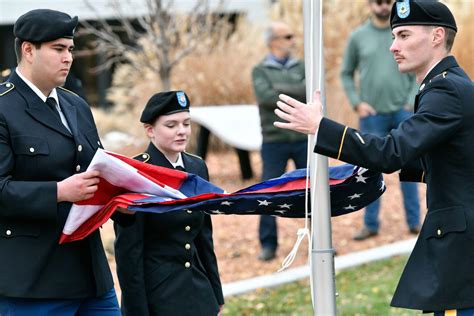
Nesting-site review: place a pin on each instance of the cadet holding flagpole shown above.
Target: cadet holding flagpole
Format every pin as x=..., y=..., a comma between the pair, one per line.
x=432, y=146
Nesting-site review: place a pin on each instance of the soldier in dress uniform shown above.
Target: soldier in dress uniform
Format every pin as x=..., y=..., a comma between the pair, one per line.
x=165, y=262
x=433, y=146
x=47, y=139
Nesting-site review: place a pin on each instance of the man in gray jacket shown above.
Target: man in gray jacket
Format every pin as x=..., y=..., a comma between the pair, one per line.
x=383, y=100
x=278, y=73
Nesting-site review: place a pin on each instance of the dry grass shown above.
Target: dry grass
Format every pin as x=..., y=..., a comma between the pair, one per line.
x=221, y=74
x=463, y=48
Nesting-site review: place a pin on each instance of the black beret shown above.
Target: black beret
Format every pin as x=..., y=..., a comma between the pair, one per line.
x=421, y=12
x=164, y=103
x=44, y=25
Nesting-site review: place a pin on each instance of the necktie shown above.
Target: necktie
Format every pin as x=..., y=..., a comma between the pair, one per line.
x=51, y=102
x=53, y=105
x=180, y=168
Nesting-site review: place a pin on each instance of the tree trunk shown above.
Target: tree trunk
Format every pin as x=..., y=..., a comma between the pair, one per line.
x=165, y=77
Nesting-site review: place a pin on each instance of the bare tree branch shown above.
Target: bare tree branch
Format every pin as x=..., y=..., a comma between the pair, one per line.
x=159, y=40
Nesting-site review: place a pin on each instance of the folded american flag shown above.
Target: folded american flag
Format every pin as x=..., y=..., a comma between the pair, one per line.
x=144, y=187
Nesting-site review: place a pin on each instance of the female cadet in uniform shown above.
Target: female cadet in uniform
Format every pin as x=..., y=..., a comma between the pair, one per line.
x=165, y=262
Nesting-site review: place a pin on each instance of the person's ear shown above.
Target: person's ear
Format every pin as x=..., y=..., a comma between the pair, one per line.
x=27, y=50
x=149, y=130
x=439, y=34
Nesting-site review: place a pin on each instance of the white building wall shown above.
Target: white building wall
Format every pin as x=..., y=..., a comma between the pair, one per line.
x=11, y=10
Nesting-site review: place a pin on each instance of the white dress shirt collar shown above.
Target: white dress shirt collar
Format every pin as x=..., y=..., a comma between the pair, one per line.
x=179, y=162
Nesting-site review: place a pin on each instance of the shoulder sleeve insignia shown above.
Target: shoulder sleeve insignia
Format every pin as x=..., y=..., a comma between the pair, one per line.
x=192, y=155
x=5, y=88
x=143, y=157
x=64, y=89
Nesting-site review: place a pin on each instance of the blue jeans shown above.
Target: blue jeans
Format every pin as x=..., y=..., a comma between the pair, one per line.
x=106, y=305
x=275, y=156
x=380, y=125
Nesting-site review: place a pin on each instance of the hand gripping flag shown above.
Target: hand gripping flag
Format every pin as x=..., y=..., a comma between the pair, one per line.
x=144, y=187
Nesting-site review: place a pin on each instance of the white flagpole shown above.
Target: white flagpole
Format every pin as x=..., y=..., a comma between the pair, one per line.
x=322, y=253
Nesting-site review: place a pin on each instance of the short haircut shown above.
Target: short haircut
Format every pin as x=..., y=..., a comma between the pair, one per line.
x=449, y=36
x=18, y=43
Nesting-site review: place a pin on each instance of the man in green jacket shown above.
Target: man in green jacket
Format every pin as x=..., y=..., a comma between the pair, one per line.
x=278, y=73
x=384, y=99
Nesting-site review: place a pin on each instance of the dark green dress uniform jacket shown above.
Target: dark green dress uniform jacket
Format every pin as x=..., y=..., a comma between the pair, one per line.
x=439, y=138
x=36, y=151
x=165, y=262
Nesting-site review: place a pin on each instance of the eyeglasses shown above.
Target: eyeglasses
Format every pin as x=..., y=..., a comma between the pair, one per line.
x=287, y=37
x=380, y=2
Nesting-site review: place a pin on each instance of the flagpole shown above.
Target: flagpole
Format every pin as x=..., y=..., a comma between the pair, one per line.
x=322, y=253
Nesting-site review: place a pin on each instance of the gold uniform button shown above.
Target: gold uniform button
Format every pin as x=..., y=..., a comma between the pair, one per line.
x=8, y=232
x=79, y=148
x=187, y=246
x=438, y=232
x=189, y=211
x=8, y=85
x=78, y=168
x=187, y=228
x=32, y=150
x=187, y=265
x=144, y=156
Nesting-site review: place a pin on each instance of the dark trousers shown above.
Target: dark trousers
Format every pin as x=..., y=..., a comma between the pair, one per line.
x=105, y=305
x=275, y=157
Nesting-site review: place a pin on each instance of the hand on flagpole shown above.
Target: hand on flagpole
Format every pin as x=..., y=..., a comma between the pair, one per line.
x=299, y=117
x=78, y=187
